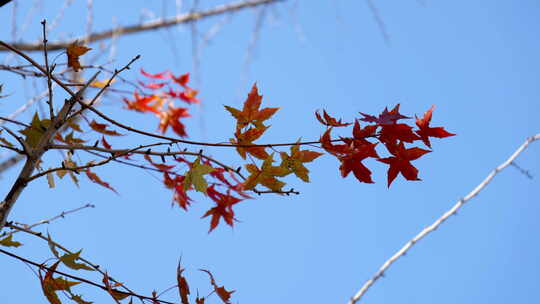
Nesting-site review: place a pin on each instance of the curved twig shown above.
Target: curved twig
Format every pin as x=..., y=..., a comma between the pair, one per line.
x=440, y=220
x=47, y=221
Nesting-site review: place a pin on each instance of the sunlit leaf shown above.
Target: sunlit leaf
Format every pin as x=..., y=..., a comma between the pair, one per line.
x=69, y=259
x=195, y=176
x=9, y=242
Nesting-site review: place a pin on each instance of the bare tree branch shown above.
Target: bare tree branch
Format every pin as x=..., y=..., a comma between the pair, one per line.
x=10, y=162
x=379, y=21
x=146, y=26
x=4, y=2
x=440, y=220
x=35, y=154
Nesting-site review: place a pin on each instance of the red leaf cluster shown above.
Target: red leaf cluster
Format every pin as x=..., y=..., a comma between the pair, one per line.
x=223, y=199
x=384, y=129
x=163, y=87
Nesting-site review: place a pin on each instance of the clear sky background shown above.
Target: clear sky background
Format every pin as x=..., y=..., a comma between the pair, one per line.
x=477, y=61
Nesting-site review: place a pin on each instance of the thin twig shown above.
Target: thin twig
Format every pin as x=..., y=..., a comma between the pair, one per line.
x=35, y=64
x=523, y=171
x=49, y=240
x=102, y=90
x=143, y=150
x=440, y=220
x=91, y=164
x=47, y=69
x=10, y=162
x=379, y=21
x=24, y=145
x=49, y=220
x=14, y=121
x=27, y=105
x=255, y=35
x=41, y=266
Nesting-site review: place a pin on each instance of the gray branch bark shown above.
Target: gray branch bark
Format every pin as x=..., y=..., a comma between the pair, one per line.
x=146, y=26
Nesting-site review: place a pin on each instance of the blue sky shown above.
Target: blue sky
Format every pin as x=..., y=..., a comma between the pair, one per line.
x=477, y=61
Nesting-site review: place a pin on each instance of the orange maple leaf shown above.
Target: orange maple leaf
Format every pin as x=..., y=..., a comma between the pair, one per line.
x=142, y=103
x=425, y=131
x=102, y=128
x=189, y=95
x=247, y=138
x=182, y=79
x=172, y=118
x=250, y=113
x=74, y=51
x=48, y=286
x=94, y=178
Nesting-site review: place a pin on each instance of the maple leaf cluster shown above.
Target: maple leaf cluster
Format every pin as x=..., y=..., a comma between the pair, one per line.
x=387, y=130
x=220, y=190
x=250, y=127
x=53, y=281
x=155, y=101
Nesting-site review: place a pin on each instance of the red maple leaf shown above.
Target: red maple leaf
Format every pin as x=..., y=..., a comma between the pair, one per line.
x=223, y=208
x=105, y=144
x=425, y=131
x=182, y=79
x=180, y=195
x=397, y=132
x=152, y=85
x=141, y=103
x=219, y=174
x=161, y=167
x=336, y=150
x=102, y=128
x=189, y=95
x=330, y=121
x=401, y=161
x=183, y=287
x=94, y=178
x=353, y=161
x=222, y=293
x=172, y=118
x=351, y=154
x=385, y=117
x=361, y=134
x=163, y=75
